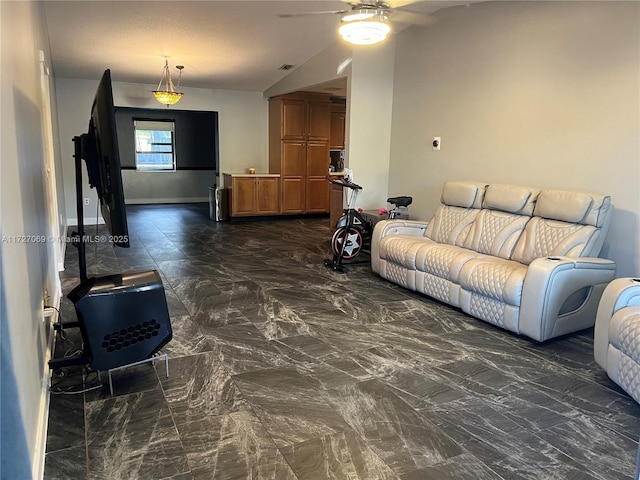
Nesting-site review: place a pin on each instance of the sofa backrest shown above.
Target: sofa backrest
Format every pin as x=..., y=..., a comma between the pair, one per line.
x=565, y=223
x=460, y=203
x=496, y=229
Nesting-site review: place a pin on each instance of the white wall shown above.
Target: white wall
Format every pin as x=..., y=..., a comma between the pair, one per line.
x=242, y=126
x=28, y=267
x=322, y=68
x=369, y=106
x=536, y=93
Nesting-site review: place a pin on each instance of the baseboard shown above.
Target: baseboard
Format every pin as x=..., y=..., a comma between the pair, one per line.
x=37, y=468
x=63, y=246
x=149, y=201
x=88, y=221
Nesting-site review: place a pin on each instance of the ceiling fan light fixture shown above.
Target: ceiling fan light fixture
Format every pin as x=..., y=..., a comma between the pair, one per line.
x=366, y=31
x=359, y=14
x=168, y=95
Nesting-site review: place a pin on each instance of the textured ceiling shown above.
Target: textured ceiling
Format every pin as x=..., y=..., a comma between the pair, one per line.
x=237, y=45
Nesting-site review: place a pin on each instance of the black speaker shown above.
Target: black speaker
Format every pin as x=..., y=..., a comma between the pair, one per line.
x=123, y=318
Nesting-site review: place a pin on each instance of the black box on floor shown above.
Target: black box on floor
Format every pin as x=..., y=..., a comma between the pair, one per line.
x=123, y=318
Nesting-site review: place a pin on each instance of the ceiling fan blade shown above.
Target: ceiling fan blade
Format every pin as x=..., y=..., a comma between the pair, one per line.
x=403, y=15
x=303, y=14
x=394, y=4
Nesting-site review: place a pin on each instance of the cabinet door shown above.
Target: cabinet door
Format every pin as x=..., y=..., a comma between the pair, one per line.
x=317, y=187
x=318, y=159
x=317, y=195
x=293, y=159
x=293, y=119
x=267, y=198
x=243, y=197
x=292, y=198
x=319, y=120
x=337, y=130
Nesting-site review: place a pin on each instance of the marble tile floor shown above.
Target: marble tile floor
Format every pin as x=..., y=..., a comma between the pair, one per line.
x=281, y=369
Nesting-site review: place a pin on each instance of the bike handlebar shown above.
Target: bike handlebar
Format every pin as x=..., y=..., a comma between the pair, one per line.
x=344, y=183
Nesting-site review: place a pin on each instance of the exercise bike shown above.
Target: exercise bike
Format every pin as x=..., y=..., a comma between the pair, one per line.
x=353, y=231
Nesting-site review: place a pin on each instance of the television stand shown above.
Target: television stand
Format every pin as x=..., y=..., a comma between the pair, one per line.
x=152, y=360
x=57, y=364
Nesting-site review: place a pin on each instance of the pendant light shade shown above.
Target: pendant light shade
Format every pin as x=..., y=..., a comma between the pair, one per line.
x=166, y=94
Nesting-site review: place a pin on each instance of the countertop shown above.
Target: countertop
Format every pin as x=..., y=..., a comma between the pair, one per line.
x=252, y=174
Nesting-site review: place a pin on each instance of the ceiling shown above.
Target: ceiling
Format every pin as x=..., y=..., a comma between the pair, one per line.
x=235, y=45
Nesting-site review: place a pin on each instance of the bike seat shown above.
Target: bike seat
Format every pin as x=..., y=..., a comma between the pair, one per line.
x=400, y=201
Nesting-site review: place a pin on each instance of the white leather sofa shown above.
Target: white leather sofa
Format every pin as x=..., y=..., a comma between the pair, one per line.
x=518, y=257
x=616, y=343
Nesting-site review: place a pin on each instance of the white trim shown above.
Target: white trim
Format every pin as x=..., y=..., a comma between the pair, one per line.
x=49, y=151
x=63, y=245
x=37, y=467
x=146, y=201
x=87, y=222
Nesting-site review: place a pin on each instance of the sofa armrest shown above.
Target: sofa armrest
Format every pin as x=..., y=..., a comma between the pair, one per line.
x=393, y=227
x=550, y=282
x=621, y=293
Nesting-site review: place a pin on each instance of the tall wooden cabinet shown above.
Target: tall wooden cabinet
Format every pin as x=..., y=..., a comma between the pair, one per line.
x=299, y=129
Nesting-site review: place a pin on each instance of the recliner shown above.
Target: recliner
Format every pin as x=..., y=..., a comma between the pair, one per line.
x=616, y=344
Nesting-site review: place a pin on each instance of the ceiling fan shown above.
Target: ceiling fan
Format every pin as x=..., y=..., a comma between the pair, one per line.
x=366, y=23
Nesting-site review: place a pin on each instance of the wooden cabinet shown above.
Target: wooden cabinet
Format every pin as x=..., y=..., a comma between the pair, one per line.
x=299, y=130
x=253, y=194
x=338, y=122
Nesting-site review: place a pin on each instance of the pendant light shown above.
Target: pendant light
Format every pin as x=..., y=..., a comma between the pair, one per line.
x=167, y=95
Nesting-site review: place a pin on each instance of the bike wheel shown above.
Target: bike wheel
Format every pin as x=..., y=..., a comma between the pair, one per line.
x=353, y=245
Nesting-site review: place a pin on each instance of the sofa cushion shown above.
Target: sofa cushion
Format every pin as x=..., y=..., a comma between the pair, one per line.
x=498, y=279
x=450, y=225
x=443, y=261
x=573, y=207
x=564, y=223
x=495, y=233
x=402, y=249
x=543, y=238
x=624, y=332
x=463, y=194
x=510, y=198
x=461, y=202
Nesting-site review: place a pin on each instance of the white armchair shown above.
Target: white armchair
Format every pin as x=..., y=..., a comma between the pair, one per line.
x=617, y=334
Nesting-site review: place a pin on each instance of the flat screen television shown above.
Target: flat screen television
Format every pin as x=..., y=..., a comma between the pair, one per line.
x=100, y=152
x=123, y=318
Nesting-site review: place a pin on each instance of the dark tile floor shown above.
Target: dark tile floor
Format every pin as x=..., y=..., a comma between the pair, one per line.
x=281, y=369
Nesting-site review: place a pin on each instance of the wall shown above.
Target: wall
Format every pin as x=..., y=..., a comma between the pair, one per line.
x=243, y=133
x=182, y=186
x=369, y=106
x=323, y=67
x=28, y=267
x=536, y=93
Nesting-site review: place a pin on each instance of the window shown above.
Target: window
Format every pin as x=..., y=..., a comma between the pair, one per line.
x=155, y=145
